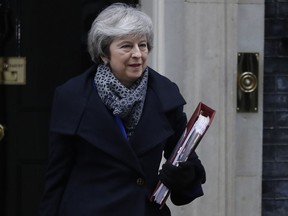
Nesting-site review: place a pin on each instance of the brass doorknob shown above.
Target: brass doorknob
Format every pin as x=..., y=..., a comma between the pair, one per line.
x=2, y=133
x=248, y=82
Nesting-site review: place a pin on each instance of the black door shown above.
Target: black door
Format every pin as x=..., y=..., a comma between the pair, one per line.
x=47, y=34
x=51, y=35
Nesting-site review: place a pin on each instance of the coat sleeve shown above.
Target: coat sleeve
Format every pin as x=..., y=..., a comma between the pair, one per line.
x=61, y=154
x=68, y=105
x=60, y=162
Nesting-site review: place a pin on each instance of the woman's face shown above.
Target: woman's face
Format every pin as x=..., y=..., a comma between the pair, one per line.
x=128, y=58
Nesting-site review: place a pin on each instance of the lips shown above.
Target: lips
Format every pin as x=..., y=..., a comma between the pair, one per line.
x=134, y=65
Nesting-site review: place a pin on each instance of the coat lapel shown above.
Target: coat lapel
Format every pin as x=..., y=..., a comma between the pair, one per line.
x=153, y=127
x=98, y=127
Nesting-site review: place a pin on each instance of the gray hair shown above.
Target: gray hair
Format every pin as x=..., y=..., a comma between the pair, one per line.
x=117, y=21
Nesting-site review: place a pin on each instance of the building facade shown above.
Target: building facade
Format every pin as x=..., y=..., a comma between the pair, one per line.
x=197, y=45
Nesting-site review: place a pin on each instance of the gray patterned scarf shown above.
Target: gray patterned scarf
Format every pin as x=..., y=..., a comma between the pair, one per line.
x=126, y=103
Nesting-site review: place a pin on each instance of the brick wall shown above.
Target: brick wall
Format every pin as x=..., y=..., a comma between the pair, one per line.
x=275, y=139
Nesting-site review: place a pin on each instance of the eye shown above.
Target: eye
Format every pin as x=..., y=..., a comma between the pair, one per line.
x=143, y=46
x=126, y=46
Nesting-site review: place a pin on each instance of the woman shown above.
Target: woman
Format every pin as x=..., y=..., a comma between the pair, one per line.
x=110, y=126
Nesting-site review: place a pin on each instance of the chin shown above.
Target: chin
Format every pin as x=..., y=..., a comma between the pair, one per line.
x=135, y=74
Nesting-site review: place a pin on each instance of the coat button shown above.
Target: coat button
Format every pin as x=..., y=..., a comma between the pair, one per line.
x=140, y=181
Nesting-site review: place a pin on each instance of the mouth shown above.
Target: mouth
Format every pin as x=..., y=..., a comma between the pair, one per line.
x=134, y=65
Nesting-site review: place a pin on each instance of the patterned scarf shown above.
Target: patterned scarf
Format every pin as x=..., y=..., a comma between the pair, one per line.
x=126, y=103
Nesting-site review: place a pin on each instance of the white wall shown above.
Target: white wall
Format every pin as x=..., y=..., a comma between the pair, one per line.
x=196, y=45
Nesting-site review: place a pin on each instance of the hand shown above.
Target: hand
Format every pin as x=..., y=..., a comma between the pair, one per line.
x=182, y=177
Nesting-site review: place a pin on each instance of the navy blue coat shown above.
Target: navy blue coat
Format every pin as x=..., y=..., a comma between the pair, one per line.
x=93, y=170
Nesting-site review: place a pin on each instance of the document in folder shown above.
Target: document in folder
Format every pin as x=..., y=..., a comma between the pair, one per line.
x=191, y=137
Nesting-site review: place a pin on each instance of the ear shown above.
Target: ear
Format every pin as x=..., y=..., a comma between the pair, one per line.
x=105, y=60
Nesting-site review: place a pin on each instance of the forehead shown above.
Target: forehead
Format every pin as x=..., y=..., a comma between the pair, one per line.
x=130, y=38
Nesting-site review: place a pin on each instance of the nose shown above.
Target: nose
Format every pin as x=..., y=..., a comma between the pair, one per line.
x=136, y=52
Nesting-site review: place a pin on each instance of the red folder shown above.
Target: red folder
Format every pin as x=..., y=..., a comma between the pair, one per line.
x=186, y=145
